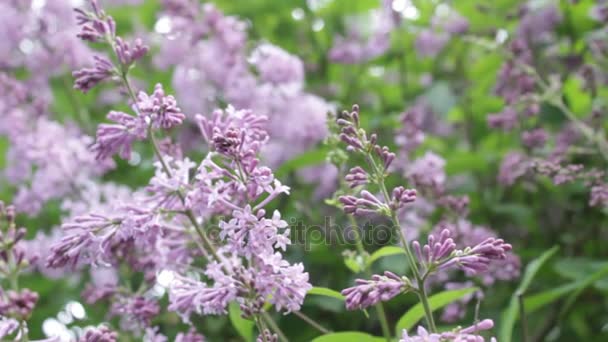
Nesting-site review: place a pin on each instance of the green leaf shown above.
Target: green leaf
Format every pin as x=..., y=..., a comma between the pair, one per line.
x=539, y=300
x=416, y=313
x=308, y=158
x=579, y=268
x=353, y=265
x=323, y=291
x=348, y=336
x=243, y=326
x=578, y=100
x=383, y=252
x=510, y=314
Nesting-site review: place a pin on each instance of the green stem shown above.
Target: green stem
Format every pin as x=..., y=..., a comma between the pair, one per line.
x=379, y=176
x=81, y=112
x=386, y=332
x=274, y=327
x=260, y=327
x=208, y=246
x=312, y=322
x=189, y=214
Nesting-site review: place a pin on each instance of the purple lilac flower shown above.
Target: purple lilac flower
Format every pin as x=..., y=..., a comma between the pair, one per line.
x=91, y=237
x=87, y=78
x=164, y=188
x=505, y=120
x=456, y=311
x=538, y=25
x=118, y=137
x=560, y=174
x=160, y=108
x=18, y=304
x=128, y=54
x=514, y=165
x=380, y=288
x=428, y=173
x=599, y=196
x=366, y=204
x=252, y=234
x=411, y=135
x=277, y=66
x=267, y=336
x=153, y=335
x=599, y=12
x=356, y=46
x=459, y=205
x=190, y=336
x=99, y=334
x=464, y=234
x=455, y=24
x=7, y=326
x=136, y=312
x=534, y=138
x=440, y=252
x=187, y=295
x=468, y=334
x=356, y=177
x=97, y=26
x=43, y=170
x=429, y=43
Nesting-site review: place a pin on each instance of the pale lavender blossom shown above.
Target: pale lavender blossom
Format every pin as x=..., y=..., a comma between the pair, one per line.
x=187, y=295
x=356, y=177
x=468, y=334
x=87, y=78
x=267, y=336
x=514, y=165
x=429, y=43
x=119, y=137
x=190, y=336
x=136, y=312
x=91, y=237
x=428, y=173
x=411, y=133
x=18, y=304
x=464, y=234
x=277, y=66
x=160, y=108
x=441, y=253
x=128, y=54
x=366, y=204
x=99, y=334
x=599, y=196
x=380, y=288
x=534, y=138
x=7, y=326
x=506, y=120
x=97, y=26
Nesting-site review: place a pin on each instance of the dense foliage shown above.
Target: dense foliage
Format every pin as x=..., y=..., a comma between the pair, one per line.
x=327, y=170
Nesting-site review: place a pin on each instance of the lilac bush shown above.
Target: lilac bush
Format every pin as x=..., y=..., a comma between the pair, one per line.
x=184, y=170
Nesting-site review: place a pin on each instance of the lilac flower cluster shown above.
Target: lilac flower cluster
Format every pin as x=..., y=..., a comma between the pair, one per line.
x=469, y=334
x=357, y=46
x=16, y=304
x=208, y=51
x=97, y=26
x=367, y=203
x=523, y=88
x=41, y=169
x=429, y=262
x=161, y=227
x=430, y=41
x=440, y=253
x=379, y=288
x=230, y=180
